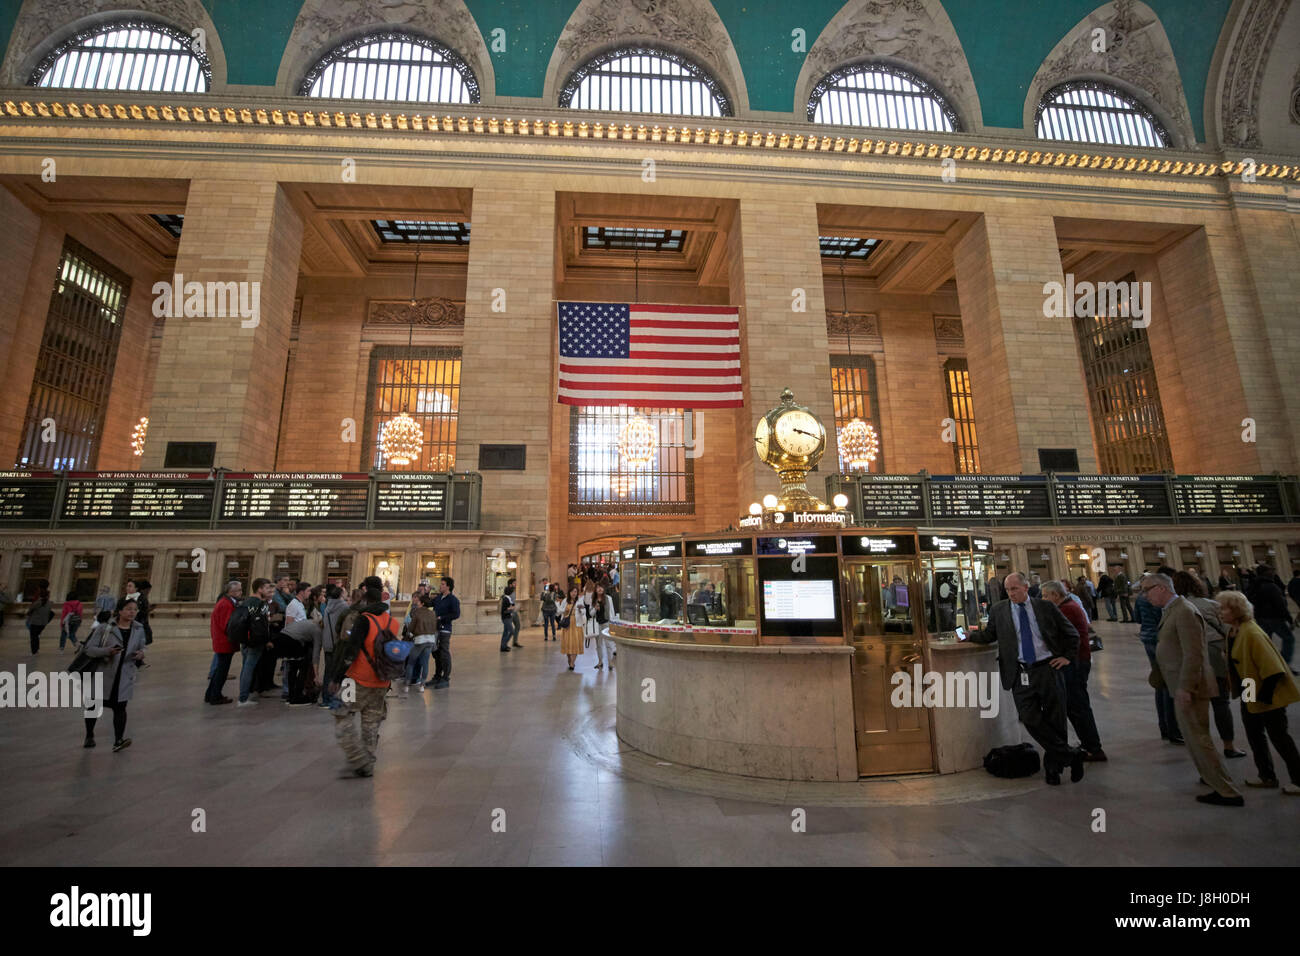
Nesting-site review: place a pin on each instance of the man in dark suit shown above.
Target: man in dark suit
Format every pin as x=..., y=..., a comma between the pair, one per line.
x=1034, y=642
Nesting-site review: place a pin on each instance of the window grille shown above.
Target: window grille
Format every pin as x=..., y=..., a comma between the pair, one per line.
x=882, y=96
x=1090, y=112
x=411, y=230
x=424, y=382
x=392, y=66
x=965, y=448
x=126, y=55
x=600, y=483
x=642, y=80
x=647, y=240
x=853, y=394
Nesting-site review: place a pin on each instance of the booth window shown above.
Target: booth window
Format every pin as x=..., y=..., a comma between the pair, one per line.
x=135, y=567
x=85, y=576
x=286, y=565
x=1128, y=423
x=602, y=483
x=74, y=367
x=853, y=391
x=126, y=55
x=643, y=80
x=185, y=582
x=1087, y=111
x=338, y=570
x=721, y=592
x=965, y=448
x=425, y=384
x=35, y=568
x=238, y=567
x=882, y=96
x=499, y=568
x=392, y=66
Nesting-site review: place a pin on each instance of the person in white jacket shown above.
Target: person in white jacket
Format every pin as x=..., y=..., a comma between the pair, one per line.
x=598, y=611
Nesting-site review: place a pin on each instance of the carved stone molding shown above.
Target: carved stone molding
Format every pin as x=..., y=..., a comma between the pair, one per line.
x=1137, y=53
x=1295, y=98
x=916, y=34
x=948, y=328
x=41, y=24
x=430, y=313
x=691, y=27
x=1244, y=74
x=323, y=24
x=857, y=323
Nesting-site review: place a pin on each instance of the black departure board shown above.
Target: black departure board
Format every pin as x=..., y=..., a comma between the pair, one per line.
x=411, y=497
x=1231, y=496
x=27, y=496
x=127, y=496
x=1112, y=497
x=892, y=498
x=294, y=496
x=991, y=497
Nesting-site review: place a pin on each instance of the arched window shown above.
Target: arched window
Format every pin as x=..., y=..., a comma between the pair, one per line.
x=643, y=80
x=127, y=55
x=1090, y=112
x=880, y=95
x=392, y=66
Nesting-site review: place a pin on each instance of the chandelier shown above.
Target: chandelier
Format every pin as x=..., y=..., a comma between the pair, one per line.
x=859, y=445
x=402, y=438
x=138, y=435
x=637, y=442
x=621, y=482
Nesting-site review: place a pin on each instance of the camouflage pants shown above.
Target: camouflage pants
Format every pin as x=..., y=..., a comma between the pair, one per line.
x=359, y=749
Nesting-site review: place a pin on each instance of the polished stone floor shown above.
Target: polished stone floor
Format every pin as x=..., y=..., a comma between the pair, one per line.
x=519, y=740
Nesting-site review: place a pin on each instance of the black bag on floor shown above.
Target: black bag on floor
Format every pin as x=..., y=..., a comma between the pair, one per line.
x=1020, y=760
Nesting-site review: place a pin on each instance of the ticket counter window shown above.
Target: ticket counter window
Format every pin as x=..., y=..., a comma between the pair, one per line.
x=1260, y=552
x=388, y=568
x=338, y=570
x=433, y=567
x=1293, y=552
x=882, y=599
x=721, y=593
x=952, y=608
x=659, y=592
x=286, y=565
x=627, y=589
x=238, y=567
x=1040, y=562
x=983, y=569
x=1116, y=559
x=135, y=567
x=85, y=576
x=35, y=568
x=1191, y=558
x=1153, y=558
x=1229, y=561
x=185, y=580
x=499, y=568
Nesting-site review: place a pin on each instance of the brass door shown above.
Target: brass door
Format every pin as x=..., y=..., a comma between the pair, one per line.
x=886, y=640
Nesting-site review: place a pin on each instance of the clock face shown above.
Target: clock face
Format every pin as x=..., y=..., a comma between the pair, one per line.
x=762, y=437
x=798, y=433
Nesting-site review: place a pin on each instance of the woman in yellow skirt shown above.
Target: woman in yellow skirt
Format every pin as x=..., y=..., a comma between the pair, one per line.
x=570, y=626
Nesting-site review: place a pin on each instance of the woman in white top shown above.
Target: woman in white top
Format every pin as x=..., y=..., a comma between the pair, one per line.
x=599, y=611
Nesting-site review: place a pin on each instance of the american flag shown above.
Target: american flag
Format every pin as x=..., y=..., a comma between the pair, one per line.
x=682, y=356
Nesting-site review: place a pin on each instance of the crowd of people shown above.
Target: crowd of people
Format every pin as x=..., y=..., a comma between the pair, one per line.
x=1205, y=645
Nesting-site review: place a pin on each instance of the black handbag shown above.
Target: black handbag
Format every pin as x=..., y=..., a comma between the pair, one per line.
x=1094, y=640
x=1019, y=760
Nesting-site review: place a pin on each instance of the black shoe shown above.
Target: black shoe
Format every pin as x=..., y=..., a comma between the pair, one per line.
x=121, y=744
x=1176, y=740
x=1053, y=777
x=1219, y=800
x=1076, y=766
x=1234, y=754
x=1096, y=756
x=90, y=742
x=516, y=644
x=439, y=684
x=505, y=650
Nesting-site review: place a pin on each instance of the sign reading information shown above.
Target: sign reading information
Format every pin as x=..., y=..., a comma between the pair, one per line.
x=413, y=497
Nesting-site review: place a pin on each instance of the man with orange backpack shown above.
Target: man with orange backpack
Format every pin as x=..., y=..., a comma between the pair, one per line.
x=369, y=660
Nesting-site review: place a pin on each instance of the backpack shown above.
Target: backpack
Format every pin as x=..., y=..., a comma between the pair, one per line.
x=1020, y=760
x=389, y=660
x=237, y=626
x=548, y=600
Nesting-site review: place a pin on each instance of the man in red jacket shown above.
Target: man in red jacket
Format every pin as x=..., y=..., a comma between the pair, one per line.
x=1078, y=708
x=223, y=648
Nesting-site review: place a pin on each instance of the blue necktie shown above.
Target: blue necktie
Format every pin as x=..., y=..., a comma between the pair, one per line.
x=1026, y=636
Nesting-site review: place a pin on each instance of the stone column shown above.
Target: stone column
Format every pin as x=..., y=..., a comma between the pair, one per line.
x=505, y=389
x=775, y=266
x=1026, y=377
x=912, y=438
x=217, y=380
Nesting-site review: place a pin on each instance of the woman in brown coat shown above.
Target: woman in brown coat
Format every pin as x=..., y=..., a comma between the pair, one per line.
x=569, y=610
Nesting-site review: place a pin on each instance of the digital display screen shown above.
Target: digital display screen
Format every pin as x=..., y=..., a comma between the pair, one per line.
x=1228, y=497
x=885, y=498
x=809, y=599
x=294, y=497
x=412, y=497
x=719, y=549
x=137, y=496
x=24, y=498
x=877, y=545
x=994, y=497
x=1102, y=498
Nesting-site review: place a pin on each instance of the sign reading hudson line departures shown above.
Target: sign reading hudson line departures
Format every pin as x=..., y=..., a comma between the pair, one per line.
x=157, y=499
x=1063, y=499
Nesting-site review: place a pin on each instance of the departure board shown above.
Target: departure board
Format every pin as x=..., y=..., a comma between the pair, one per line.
x=1112, y=497
x=27, y=496
x=411, y=497
x=295, y=496
x=892, y=498
x=991, y=497
x=1229, y=496
x=127, y=496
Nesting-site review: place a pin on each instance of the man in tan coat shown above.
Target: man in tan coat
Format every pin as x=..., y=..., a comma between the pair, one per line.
x=1183, y=660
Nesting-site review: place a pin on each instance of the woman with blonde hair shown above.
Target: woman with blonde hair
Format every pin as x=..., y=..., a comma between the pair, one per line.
x=1252, y=657
x=572, y=621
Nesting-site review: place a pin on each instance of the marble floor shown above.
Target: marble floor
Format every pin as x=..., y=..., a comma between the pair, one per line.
x=519, y=741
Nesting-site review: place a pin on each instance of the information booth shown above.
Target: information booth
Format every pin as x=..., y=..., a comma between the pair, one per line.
x=778, y=654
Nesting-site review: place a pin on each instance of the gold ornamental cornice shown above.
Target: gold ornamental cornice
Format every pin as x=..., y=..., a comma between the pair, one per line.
x=1009, y=154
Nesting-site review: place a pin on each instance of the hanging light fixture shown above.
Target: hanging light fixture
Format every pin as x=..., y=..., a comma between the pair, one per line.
x=138, y=434
x=402, y=437
x=859, y=445
x=637, y=442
